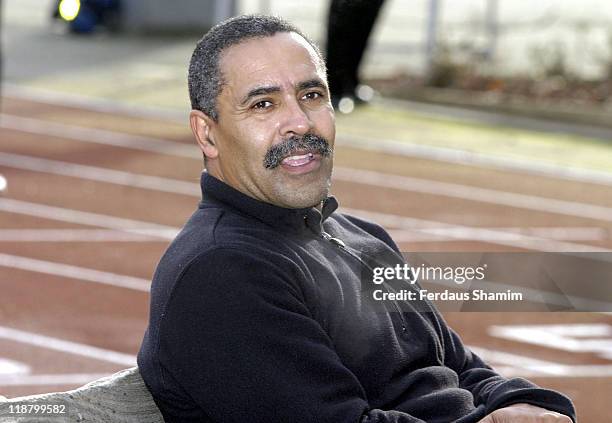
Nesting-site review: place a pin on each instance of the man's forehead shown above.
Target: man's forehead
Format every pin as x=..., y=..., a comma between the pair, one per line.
x=260, y=60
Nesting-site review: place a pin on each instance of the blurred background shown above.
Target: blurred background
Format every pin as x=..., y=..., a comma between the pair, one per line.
x=486, y=125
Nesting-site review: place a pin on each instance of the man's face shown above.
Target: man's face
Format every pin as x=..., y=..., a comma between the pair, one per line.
x=274, y=91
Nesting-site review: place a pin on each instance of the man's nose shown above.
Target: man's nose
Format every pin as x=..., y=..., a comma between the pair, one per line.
x=294, y=119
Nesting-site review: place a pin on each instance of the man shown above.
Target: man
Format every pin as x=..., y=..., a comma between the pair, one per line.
x=258, y=309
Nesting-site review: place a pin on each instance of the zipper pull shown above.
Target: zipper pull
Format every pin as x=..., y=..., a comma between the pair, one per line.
x=333, y=240
x=338, y=242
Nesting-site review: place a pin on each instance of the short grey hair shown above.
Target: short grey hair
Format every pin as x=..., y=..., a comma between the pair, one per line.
x=205, y=79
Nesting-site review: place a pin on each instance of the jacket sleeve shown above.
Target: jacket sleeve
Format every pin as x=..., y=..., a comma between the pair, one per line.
x=493, y=390
x=239, y=339
x=486, y=386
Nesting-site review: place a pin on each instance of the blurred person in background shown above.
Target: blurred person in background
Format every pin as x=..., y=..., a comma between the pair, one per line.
x=259, y=307
x=85, y=16
x=349, y=25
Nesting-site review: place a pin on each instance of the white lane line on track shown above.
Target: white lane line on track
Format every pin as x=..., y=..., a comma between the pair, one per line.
x=100, y=174
x=94, y=104
x=97, y=136
x=74, y=272
x=364, y=177
x=403, y=148
x=50, y=379
x=385, y=219
x=78, y=235
x=593, y=338
x=398, y=235
x=86, y=218
x=557, y=233
x=470, y=158
x=69, y=347
x=13, y=367
x=459, y=232
x=528, y=366
x=483, y=195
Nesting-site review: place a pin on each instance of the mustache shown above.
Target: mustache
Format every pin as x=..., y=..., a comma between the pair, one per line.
x=310, y=142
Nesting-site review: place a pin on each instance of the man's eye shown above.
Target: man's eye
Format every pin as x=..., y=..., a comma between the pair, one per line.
x=313, y=95
x=263, y=104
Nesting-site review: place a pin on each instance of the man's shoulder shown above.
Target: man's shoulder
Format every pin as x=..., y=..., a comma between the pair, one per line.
x=212, y=227
x=214, y=238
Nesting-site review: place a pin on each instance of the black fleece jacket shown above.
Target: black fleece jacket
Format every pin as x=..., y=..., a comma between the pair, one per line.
x=264, y=314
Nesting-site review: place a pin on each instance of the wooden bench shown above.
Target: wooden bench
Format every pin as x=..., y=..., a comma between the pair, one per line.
x=119, y=398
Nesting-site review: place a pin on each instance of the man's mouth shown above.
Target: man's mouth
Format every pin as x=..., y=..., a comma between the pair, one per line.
x=298, y=153
x=301, y=162
x=298, y=160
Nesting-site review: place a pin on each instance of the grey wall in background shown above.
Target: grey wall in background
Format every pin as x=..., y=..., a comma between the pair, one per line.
x=176, y=16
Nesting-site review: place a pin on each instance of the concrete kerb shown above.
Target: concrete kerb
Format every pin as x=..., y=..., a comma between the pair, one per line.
x=588, y=120
x=119, y=398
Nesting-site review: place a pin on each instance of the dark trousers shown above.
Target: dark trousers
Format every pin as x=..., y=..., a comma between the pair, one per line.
x=349, y=25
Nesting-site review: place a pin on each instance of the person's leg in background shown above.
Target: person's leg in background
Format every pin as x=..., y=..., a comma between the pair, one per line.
x=349, y=25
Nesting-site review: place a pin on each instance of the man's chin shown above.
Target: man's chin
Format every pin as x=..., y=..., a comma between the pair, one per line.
x=303, y=190
x=303, y=196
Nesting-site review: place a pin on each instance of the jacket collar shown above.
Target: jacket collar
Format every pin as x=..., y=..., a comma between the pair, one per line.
x=214, y=190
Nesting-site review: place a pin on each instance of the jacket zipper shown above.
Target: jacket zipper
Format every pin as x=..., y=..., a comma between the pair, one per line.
x=342, y=246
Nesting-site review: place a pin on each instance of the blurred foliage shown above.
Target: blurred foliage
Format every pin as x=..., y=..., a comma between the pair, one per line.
x=465, y=67
x=453, y=63
x=550, y=60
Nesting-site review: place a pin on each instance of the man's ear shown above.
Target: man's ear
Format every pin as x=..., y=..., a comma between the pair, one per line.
x=202, y=127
